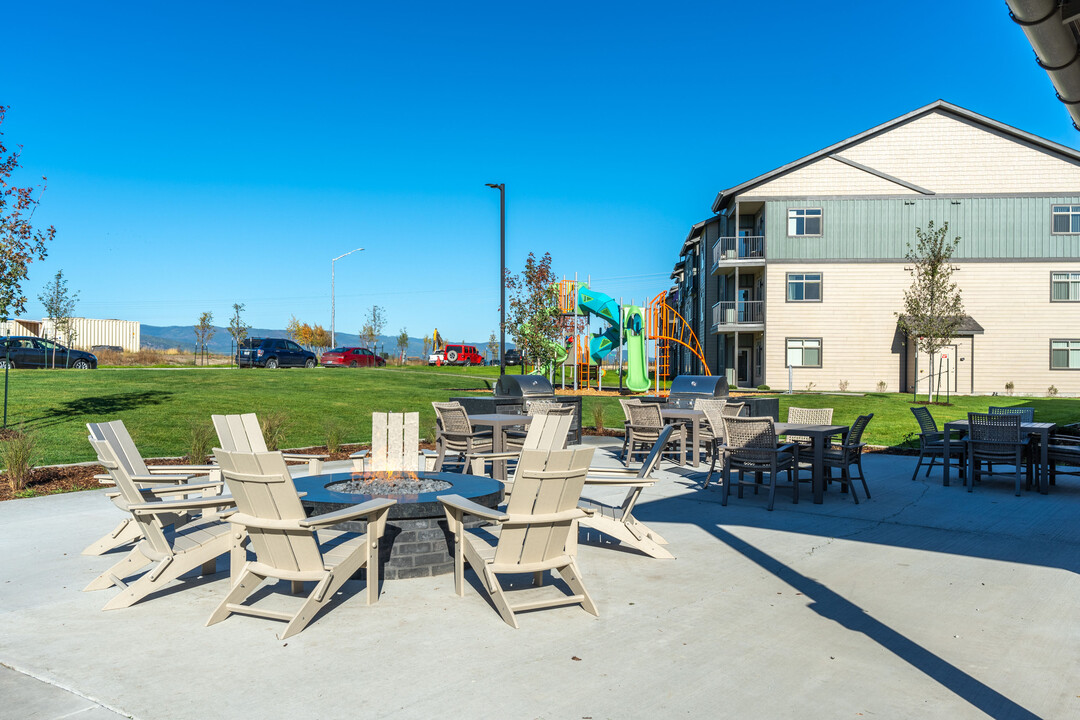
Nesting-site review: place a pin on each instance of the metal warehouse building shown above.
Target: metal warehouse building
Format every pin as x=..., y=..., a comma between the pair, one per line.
x=86, y=332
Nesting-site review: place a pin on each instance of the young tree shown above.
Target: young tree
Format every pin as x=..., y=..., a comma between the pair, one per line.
x=933, y=308
x=237, y=327
x=305, y=335
x=533, y=319
x=493, y=346
x=293, y=329
x=373, y=326
x=426, y=346
x=59, y=306
x=20, y=243
x=402, y=344
x=320, y=337
x=203, y=332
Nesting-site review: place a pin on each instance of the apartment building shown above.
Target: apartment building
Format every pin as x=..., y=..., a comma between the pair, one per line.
x=800, y=273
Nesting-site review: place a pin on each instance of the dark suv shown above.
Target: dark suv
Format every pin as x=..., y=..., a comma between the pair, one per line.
x=34, y=352
x=273, y=353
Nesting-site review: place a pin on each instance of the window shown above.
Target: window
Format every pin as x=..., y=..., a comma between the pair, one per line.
x=293, y=346
x=1065, y=354
x=804, y=352
x=804, y=221
x=804, y=287
x=1066, y=219
x=1065, y=287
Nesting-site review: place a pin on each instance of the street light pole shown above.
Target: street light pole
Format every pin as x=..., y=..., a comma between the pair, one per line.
x=501, y=187
x=333, y=337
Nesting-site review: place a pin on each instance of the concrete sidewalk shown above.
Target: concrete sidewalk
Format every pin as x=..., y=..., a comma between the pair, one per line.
x=924, y=601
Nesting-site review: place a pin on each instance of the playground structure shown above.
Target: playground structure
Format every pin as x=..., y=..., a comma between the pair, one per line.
x=637, y=329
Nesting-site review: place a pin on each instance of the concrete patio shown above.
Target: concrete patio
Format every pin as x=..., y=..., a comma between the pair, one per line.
x=924, y=601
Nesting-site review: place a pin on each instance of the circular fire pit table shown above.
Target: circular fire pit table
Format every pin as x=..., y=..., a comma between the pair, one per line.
x=416, y=543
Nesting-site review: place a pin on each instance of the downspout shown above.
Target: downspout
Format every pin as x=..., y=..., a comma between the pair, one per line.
x=1055, y=45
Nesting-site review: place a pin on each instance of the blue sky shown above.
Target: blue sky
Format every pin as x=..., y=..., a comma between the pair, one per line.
x=201, y=154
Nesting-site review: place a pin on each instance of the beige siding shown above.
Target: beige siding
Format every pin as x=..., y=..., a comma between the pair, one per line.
x=87, y=332
x=944, y=154
x=829, y=177
x=857, y=324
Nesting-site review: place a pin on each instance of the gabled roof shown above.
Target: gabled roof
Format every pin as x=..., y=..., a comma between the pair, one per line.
x=936, y=106
x=694, y=236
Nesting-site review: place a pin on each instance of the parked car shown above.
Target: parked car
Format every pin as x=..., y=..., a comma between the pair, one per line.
x=350, y=357
x=461, y=355
x=273, y=353
x=436, y=358
x=513, y=357
x=34, y=352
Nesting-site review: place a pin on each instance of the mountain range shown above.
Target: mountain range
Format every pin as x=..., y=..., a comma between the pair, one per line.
x=163, y=337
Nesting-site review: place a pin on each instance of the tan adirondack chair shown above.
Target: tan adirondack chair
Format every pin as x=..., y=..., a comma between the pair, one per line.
x=546, y=432
x=145, y=479
x=531, y=536
x=241, y=433
x=286, y=544
x=618, y=521
x=395, y=444
x=175, y=551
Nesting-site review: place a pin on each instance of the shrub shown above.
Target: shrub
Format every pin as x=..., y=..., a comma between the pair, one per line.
x=1009, y=387
x=764, y=388
x=201, y=437
x=17, y=452
x=881, y=386
x=843, y=385
x=1051, y=391
x=598, y=416
x=273, y=426
x=332, y=433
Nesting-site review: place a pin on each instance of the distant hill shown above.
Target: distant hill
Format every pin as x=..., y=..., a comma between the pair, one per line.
x=163, y=337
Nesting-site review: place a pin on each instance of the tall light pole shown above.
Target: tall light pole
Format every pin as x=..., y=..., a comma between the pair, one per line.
x=501, y=187
x=333, y=337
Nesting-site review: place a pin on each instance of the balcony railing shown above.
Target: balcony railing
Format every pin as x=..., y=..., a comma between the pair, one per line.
x=744, y=247
x=730, y=313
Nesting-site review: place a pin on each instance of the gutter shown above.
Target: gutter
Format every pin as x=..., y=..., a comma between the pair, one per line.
x=1049, y=28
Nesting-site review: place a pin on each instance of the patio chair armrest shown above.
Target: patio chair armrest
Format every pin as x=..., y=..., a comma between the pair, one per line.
x=510, y=455
x=371, y=507
x=162, y=478
x=359, y=455
x=935, y=436
x=182, y=469
x=786, y=447
x=600, y=472
x=182, y=489
x=626, y=481
x=303, y=456
x=104, y=479
x=172, y=506
x=469, y=507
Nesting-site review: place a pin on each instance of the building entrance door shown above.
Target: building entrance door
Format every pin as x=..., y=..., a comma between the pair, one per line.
x=743, y=368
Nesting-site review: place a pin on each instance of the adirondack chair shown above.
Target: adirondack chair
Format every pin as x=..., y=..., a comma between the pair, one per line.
x=145, y=478
x=242, y=433
x=395, y=444
x=532, y=535
x=546, y=432
x=175, y=551
x=286, y=544
x=618, y=521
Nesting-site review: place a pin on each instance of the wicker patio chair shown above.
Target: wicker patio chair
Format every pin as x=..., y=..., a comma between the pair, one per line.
x=515, y=439
x=807, y=416
x=456, y=435
x=995, y=439
x=1027, y=414
x=932, y=444
x=848, y=454
x=1063, y=450
x=625, y=405
x=706, y=432
x=644, y=429
x=751, y=447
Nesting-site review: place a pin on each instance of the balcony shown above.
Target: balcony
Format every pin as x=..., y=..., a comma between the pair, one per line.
x=745, y=250
x=729, y=316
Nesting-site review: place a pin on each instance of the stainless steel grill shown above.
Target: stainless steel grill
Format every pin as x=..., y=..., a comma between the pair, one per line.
x=536, y=387
x=686, y=389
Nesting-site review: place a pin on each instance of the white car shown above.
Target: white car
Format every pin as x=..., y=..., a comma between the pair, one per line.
x=437, y=358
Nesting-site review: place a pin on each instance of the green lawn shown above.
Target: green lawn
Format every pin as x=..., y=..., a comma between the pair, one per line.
x=160, y=406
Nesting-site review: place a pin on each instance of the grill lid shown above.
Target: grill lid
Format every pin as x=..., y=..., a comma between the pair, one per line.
x=523, y=386
x=699, y=386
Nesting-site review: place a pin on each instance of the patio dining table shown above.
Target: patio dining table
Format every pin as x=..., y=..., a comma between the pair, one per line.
x=1042, y=429
x=819, y=436
x=695, y=417
x=499, y=424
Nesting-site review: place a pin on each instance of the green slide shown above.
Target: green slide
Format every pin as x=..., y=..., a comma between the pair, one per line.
x=637, y=362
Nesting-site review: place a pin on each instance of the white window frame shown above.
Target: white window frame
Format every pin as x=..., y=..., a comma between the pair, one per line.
x=794, y=214
x=1068, y=211
x=1072, y=347
x=1072, y=282
x=803, y=281
x=800, y=345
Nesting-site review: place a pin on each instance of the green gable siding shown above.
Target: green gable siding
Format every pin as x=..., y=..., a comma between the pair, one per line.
x=879, y=229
